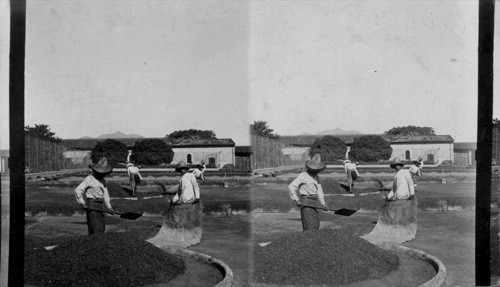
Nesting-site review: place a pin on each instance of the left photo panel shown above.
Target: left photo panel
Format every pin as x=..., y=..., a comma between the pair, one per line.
x=136, y=145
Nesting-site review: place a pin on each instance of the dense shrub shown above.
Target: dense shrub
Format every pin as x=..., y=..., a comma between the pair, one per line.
x=370, y=148
x=191, y=134
x=330, y=148
x=410, y=131
x=114, y=151
x=152, y=152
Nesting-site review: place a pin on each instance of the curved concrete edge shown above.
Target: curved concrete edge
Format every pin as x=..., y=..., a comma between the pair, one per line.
x=228, y=279
x=438, y=279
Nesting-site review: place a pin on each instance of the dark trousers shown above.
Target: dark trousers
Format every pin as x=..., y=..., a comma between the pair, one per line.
x=309, y=215
x=134, y=181
x=95, y=219
x=351, y=177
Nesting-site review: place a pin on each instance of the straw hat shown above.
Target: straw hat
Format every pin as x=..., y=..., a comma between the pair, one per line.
x=129, y=164
x=396, y=161
x=346, y=161
x=315, y=163
x=181, y=165
x=102, y=166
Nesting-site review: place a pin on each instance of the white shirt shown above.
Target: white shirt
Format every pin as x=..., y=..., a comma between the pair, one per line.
x=414, y=169
x=92, y=188
x=134, y=170
x=402, y=186
x=305, y=184
x=198, y=173
x=188, y=189
x=350, y=166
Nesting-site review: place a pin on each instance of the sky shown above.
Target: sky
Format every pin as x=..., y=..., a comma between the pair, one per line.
x=153, y=67
x=139, y=67
x=364, y=65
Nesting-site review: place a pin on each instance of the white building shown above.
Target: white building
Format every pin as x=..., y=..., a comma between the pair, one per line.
x=215, y=152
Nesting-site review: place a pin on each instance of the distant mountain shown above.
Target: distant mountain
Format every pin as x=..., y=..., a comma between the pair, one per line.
x=85, y=138
x=338, y=131
x=119, y=135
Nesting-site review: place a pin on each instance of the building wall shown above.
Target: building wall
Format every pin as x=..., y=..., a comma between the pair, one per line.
x=77, y=156
x=440, y=151
x=243, y=163
x=464, y=157
x=296, y=153
x=222, y=155
x=4, y=161
x=4, y=164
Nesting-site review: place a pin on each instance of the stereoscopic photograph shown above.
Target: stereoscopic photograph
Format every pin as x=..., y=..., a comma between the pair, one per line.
x=248, y=143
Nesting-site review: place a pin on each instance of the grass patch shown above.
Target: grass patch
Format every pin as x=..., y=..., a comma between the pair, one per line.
x=61, y=201
x=241, y=200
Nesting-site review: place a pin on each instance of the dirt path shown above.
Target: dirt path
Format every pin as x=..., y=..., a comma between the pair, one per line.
x=450, y=237
x=228, y=238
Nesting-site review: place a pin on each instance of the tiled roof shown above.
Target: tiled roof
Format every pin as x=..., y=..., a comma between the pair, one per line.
x=421, y=139
x=308, y=140
x=465, y=145
x=202, y=142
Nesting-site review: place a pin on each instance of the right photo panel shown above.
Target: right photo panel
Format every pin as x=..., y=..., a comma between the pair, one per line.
x=363, y=131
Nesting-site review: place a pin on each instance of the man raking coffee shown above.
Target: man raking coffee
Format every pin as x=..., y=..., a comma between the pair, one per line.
x=307, y=184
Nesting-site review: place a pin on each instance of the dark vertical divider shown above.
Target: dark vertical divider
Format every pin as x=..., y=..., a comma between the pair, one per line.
x=484, y=141
x=16, y=126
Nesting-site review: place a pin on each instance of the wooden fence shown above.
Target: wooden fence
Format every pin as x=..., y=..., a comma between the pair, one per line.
x=45, y=156
x=268, y=153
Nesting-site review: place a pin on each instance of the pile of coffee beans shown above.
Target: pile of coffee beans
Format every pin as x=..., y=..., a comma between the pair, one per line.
x=109, y=259
x=321, y=257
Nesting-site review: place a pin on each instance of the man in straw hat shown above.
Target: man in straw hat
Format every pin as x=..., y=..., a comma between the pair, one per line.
x=96, y=195
x=188, y=190
x=308, y=186
x=352, y=173
x=397, y=221
x=182, y=224
x=402, y=187
x=134, y=176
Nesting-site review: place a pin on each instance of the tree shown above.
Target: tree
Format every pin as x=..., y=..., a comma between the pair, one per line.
x=152, y=152
x=261, y=128
x=42, y=132
x=370, y=148
x=114, y=151
x=191, y=134
x=330, y=148
x=411, y=131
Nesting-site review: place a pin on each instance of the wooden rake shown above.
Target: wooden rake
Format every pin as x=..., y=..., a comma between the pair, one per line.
x=342, y=211
x=126, y=215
